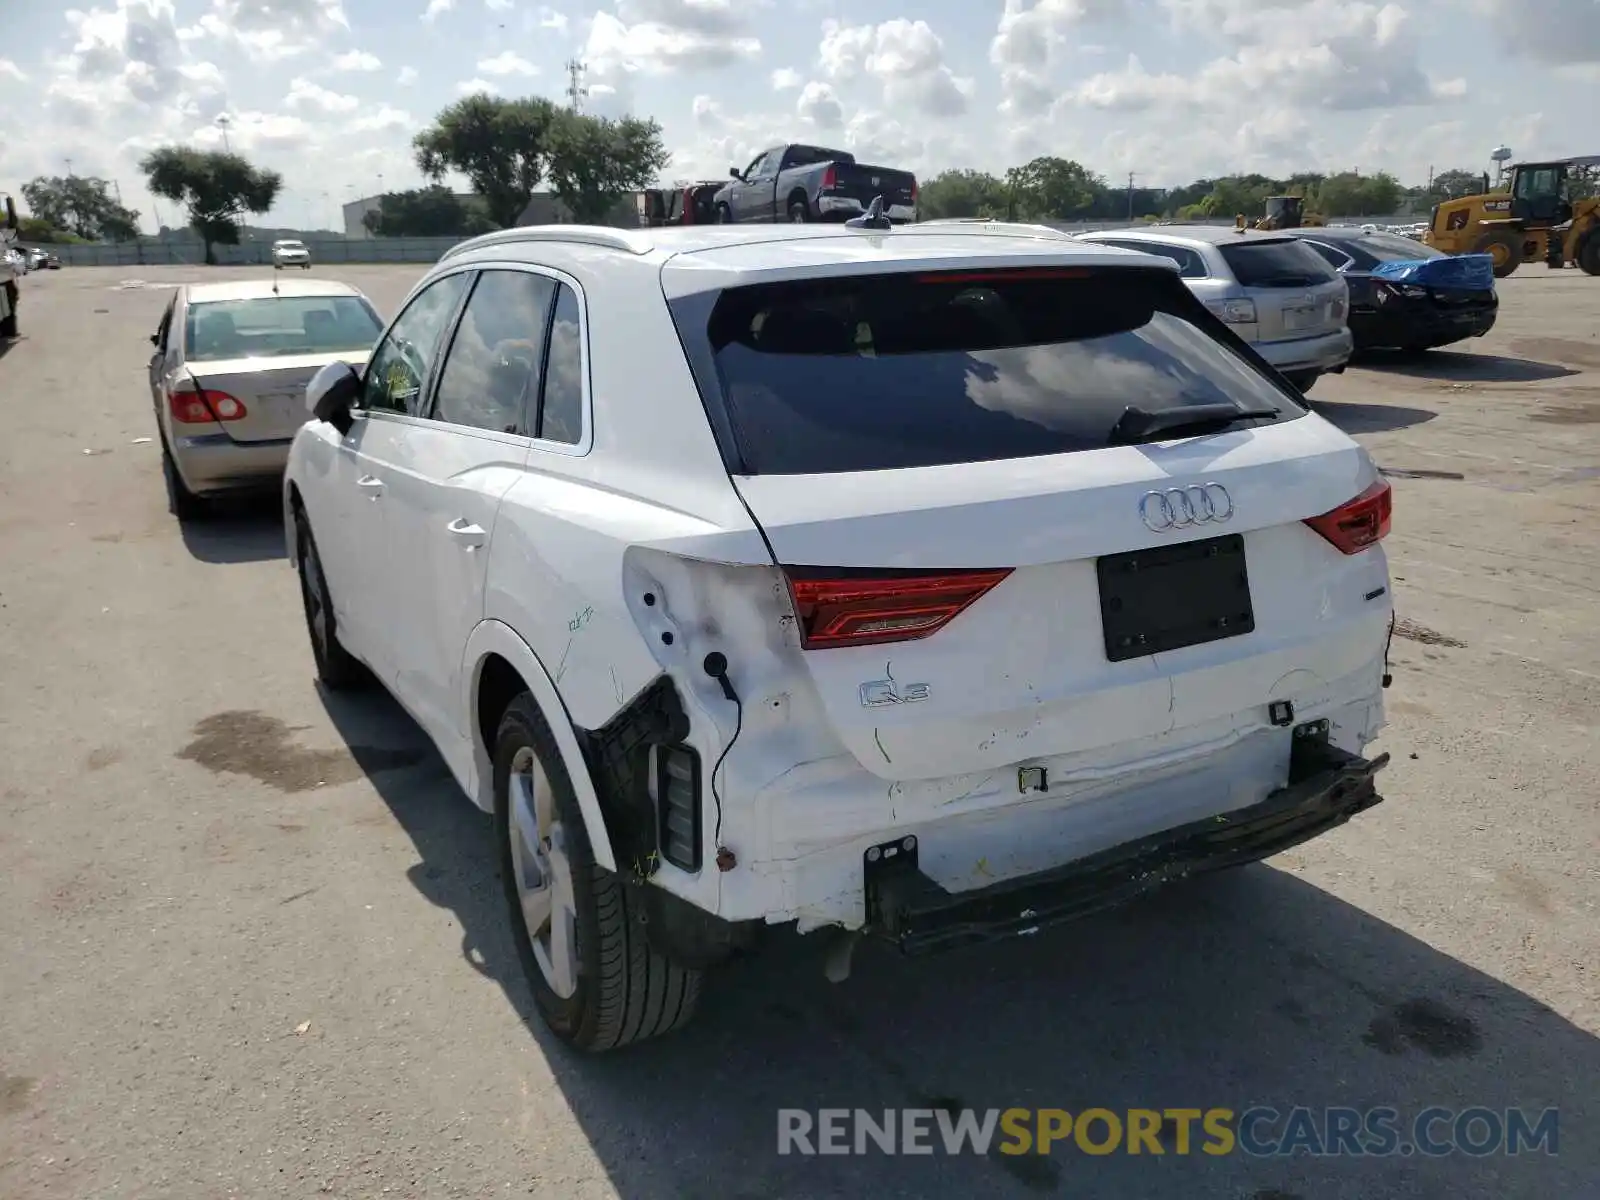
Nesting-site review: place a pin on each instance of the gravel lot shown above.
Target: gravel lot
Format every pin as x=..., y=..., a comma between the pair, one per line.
x=251, y=943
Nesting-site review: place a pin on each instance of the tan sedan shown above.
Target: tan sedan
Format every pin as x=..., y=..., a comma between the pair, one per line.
x=229, y=372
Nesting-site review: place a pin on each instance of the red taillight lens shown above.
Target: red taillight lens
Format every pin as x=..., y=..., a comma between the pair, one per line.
x=1362, y=522
x=843, y=607
x=913, y=191
x=204, y=407
x=830, y=179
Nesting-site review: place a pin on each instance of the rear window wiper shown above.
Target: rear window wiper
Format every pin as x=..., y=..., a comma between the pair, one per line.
x=1143, y=424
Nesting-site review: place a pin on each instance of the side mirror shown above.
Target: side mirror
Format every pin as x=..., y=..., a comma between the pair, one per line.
x=332, y=393
x=155, y=339
x=735, y=173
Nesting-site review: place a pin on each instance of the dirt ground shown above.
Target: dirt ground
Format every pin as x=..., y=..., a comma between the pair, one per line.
x=252, y=944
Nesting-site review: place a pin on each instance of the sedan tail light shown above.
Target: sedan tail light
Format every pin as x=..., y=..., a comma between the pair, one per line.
x=202, y=406
x=1358, y=523
x=839, y=606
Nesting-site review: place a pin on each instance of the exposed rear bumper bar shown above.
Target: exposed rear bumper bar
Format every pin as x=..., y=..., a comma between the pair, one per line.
x=1327, y=786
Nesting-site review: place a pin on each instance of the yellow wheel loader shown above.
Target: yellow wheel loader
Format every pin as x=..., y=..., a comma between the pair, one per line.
x=1287, y=212
x=1548, y=211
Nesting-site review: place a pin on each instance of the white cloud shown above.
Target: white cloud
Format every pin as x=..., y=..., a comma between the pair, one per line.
x=907, y=56
x=548, y=18
x=469, y=87
x=9, y=69
x=499, y=5
x=667, y=36
x=358, y=60
x=268, y=30
x=304, y=94
x=1553, y=32
x=506, y=63
x=436, y=7
x=407, y=76
x=819, y=104
x=785, y=78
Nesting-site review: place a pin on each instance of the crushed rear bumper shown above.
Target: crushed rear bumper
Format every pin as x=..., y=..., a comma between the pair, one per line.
x=1326, y=787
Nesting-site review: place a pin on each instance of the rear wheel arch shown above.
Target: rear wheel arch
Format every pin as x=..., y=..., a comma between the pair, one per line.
x=503, y=667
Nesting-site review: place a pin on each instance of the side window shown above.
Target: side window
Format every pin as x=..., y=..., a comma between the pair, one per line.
x=398, y=369
x=1190, y=264
x=1335, y=259
x=754, y=169
x=496, y=356
x=561, y=407
x=163, y=329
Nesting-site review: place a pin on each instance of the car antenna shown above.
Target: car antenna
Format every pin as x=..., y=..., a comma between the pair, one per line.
x=873, y=218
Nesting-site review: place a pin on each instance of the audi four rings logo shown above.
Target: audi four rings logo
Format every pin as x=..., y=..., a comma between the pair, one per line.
x=1181, y=508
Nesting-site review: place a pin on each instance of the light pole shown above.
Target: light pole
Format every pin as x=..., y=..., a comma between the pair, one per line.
x=223, y=121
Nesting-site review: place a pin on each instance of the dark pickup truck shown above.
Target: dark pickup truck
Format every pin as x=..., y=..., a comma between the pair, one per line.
x=813, y=183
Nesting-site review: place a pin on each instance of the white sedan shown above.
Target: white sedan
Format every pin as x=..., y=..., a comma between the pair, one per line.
x=936, y=583
x=291, y=253
x=228, y=373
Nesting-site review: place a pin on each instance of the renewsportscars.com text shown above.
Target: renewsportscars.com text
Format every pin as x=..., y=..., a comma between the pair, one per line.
x=1258, y=1131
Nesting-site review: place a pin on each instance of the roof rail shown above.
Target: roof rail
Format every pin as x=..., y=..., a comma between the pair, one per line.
x=628, y=241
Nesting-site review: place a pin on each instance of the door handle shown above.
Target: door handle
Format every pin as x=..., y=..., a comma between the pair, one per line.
x=469, y=535
x=371, y=484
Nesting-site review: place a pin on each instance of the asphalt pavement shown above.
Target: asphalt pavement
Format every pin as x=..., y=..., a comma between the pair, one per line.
x=252, y=943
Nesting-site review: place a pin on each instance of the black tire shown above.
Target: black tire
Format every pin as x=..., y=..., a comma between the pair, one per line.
x=9, y=327
x=1303, y=381
x=1510, y=245
x=626, y=992
x=181, y=502
x=337, y=668
x=1588, y=255
x=724, y=215
x=799, y=212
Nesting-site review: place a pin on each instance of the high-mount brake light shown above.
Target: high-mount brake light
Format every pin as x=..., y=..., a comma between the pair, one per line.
x=1011, y=276
x=1358, y=523
x=840, y=606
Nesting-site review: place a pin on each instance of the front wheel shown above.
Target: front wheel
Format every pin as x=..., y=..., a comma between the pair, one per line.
x=598, y=983
x=1504, y=250
x=1588, y=255
x=724, y=215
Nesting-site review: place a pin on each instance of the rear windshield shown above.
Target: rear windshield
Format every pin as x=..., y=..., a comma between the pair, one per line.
x=1391, y=247
x=1283, y=263
x=884, y=372
x=279, y=325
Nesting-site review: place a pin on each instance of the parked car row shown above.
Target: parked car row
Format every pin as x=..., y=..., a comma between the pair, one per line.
x=32, y=258
x=931, y=583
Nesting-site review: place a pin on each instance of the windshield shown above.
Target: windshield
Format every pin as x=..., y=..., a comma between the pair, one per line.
x=885, y=372
x=1284, y=263
x=279, y=325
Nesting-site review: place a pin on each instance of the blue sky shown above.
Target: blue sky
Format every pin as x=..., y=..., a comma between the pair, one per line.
x=329, y=92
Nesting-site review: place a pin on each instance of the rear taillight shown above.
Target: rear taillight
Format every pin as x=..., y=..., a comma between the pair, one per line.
x=1234, y=312
x=204, y=406
x=913, y=191
x=1361, y=522
x=846, y=607
x=830, y=178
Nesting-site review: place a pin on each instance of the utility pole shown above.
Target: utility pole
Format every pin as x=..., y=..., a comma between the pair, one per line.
x=69, y=168
x=1130, y=195
x=575, y=89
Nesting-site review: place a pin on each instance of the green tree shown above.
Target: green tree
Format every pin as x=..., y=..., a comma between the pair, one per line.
x=424, y=212
x=1053, y=187
x=595, y=162
x=961, y=193
x=1453, y=184
x=82, y=205
x=217, y=189
x=500, y=146
x=1350, y=195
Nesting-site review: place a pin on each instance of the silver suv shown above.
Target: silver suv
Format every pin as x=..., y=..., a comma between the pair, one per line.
x=1277, y=294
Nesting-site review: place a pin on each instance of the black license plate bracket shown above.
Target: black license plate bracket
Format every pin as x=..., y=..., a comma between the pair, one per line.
x=1169, y=597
